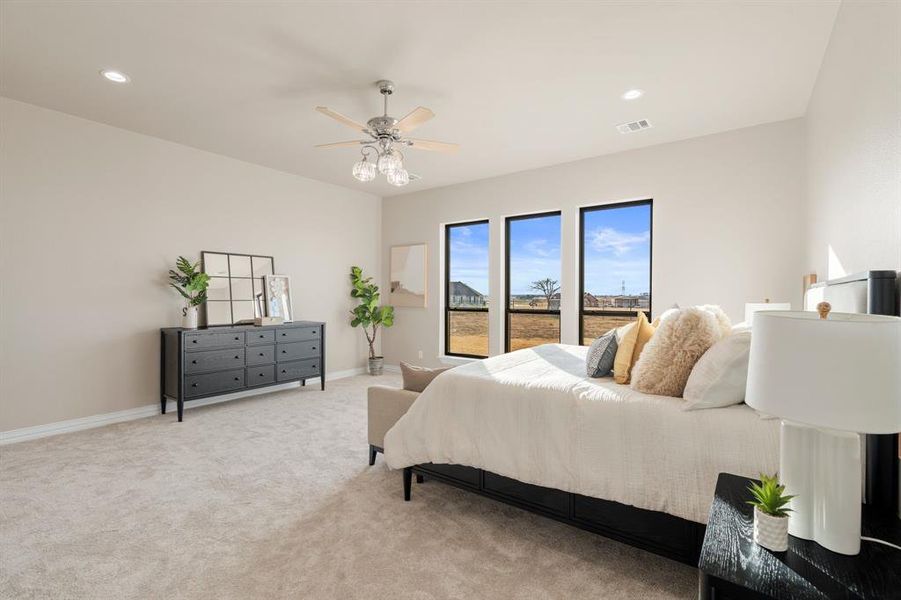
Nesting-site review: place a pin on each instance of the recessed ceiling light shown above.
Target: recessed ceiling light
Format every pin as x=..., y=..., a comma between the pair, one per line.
x=115, y=76
x=633, y=94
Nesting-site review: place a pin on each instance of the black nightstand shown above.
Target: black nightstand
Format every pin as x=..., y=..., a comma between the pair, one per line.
x=733, y=566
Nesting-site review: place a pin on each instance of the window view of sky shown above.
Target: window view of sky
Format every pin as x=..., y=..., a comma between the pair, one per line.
x=534, y=253
x=618, y=248
x=469, y=256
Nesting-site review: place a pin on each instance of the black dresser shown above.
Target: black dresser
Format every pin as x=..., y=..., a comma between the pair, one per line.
x=200, y=363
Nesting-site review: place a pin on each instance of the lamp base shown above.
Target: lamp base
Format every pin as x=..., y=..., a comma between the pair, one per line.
x=822, y=468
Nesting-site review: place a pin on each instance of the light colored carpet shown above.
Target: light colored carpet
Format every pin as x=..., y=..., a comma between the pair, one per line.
x=272, y=497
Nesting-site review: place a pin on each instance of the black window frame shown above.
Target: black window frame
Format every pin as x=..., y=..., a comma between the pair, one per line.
x=609, y=313
x=507, y=310
x=447, y=305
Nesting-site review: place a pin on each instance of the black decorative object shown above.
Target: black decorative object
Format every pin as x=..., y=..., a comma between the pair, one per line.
x=733, y=566
x=236, y=287
x=200, y=363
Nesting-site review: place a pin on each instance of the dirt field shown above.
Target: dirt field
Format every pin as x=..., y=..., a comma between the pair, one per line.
x=469, y=330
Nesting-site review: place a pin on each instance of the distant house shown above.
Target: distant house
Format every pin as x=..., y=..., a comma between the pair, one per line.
x=590, y=301
x=463, y=295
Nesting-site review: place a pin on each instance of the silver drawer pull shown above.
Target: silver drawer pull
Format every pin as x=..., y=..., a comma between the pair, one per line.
x=261, y=374
x=193, y=341
x=314, y=347
x=283, y=371
x=193, y=385
x=261, y=354
x=237, y=357
x=193, y=362
x=236, y=338
x=237, y=378
x=284, y=351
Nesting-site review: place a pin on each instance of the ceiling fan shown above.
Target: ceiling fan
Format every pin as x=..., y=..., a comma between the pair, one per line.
x=386, y=137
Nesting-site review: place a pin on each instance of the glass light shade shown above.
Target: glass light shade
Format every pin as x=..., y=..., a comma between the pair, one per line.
x=399, y=177
x=364, y=170
x=389, y=162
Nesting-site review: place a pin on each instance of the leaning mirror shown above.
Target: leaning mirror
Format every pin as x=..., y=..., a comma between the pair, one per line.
x=237, y=287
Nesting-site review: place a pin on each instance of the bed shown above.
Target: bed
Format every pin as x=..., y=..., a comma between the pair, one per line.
x=529, y=428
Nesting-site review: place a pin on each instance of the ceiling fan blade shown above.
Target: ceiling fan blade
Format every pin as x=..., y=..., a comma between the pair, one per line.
x=342, y=119
x=433, y=145
x=344, y=144
x=414, y=119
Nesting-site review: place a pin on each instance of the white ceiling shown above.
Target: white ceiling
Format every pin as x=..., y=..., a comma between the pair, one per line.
x=518, y=85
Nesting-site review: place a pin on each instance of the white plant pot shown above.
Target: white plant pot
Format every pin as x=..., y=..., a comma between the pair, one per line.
x=376, y=365
x=189, y=320
x=770, y=532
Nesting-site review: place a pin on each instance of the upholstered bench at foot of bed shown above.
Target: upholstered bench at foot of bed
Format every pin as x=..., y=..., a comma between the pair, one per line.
x=386, y=405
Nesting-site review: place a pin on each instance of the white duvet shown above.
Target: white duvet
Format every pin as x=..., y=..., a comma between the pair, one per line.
x=535, y=416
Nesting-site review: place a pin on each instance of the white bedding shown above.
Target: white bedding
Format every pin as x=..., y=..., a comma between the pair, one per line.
x=535, y=416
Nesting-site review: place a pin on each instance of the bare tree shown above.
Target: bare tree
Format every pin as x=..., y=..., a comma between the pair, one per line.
x=548, y=287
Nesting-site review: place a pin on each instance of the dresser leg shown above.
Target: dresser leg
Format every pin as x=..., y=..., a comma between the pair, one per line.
x=163, y=404
x=181, y=409
x=372, y=452
x=322, y=379
x=303, y=383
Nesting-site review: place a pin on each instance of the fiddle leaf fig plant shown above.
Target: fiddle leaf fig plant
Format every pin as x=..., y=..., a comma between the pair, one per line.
x=368, y=314
x=189, y=282
x=770, y=497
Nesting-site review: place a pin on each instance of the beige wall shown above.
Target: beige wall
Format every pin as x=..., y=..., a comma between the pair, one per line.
x=728, y=225
x=854, y=144
x=92, y=218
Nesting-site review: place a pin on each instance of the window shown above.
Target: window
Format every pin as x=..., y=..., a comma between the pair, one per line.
x=466, y=289
x=615, y=266
x=533, y=281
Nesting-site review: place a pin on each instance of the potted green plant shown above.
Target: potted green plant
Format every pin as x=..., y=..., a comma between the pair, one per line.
x=192, y=285
x=770, y=513
x=369, y=315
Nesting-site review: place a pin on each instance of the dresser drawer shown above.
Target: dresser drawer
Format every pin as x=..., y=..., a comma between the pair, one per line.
x=260, y=355
x=298, y=334
x=260, y=375
x=260, y=337
x=297, y=350
x=214, y=360
x=300, y=369
x=214, y=383
x=205, y=341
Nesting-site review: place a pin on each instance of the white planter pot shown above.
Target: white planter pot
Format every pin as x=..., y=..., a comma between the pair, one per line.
x=376, y=365
x=189, y=320
x=770, y=532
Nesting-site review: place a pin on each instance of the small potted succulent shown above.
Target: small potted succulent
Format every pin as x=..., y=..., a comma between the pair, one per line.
x=192, y=285
x=369, y=314
x=770, y=513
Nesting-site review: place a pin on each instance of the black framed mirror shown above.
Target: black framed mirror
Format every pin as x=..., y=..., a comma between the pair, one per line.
x=236, y=288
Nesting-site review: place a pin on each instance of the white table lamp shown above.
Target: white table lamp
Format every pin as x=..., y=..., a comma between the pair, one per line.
x=828, y=379
x=753, y=307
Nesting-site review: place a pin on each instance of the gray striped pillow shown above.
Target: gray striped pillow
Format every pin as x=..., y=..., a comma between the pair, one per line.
x=601, y=355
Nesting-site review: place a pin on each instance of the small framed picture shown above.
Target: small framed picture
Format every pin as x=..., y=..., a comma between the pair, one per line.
x=277, y=296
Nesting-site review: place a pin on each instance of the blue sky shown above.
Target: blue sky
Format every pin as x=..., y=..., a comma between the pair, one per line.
x=617, y=248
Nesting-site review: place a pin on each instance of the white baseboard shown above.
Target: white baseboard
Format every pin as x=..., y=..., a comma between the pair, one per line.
x=150, y=410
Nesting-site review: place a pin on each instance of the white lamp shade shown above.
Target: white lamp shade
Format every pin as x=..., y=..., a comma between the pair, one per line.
x=753, y=307
x=841, y=373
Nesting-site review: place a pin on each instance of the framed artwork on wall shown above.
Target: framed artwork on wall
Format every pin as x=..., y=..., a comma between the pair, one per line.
x=278, y=297
x=409, y=276
x=236, y=289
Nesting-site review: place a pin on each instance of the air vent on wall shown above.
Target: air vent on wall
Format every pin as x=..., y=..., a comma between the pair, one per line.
x=633, y=126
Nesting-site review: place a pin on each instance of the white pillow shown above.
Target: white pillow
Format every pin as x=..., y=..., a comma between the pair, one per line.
x=720, y=376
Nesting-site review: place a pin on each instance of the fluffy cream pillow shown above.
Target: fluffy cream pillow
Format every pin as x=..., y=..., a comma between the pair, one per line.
x=720, y=376
x=667, y=360
x=722, y=319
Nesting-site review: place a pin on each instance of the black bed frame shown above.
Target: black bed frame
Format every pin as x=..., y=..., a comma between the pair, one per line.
x=669, y=536
x=658, y=532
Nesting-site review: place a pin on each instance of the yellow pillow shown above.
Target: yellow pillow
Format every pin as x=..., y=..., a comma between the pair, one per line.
x=629, y=349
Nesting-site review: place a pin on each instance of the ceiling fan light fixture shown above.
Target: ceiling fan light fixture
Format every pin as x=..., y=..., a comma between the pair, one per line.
x=364, y=170
x=399, y=177
x=390, y=162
